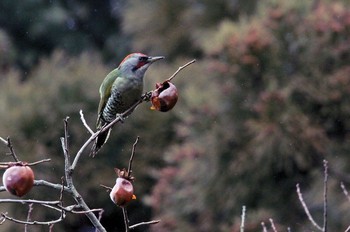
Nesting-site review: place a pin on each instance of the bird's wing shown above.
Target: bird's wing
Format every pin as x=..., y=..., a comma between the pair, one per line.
x=105, y=93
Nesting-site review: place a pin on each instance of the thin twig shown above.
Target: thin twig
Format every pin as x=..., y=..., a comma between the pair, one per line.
x=32, y=222
x=263, y=226
x=49, y=204
x=66, y=135
x=39, y=162
x=106, y=187
x=86, y=211
x=126, y=219
x=45, y=184
x=2, y=219
x=325, y=188
x=12, y=150
x=347, y=229
x=67, y=164
x=30, y=210
x=306, y=209
x=273, y=225
x=82, y=118
x=180, y=68
x=61, y=193
x=132, y=156
x=62, y=190
x=243, y=218
x=345, y=191
x=144, y=223
x=29, y=201
x=3, y=140
x=8, y=164
x=99, y=218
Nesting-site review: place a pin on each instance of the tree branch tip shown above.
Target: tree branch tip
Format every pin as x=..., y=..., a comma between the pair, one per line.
x=108, y=189
x=179, y=69
x=4, y=141
x=129, y=171
x=144, y=223
x=39, y=162
x=82, y=118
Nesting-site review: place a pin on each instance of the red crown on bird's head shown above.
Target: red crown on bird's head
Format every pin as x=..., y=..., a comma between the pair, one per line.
x=132, y=54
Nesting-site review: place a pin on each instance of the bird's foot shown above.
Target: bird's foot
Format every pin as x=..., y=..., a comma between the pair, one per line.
x=146, y=96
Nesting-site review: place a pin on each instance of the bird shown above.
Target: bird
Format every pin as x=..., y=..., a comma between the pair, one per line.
x=120, y=90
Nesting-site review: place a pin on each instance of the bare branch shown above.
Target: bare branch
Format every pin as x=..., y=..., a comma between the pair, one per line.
x=180, y=68
x=306, y=209
x=66, y=133
x=31, y=222
x=61, y=193
x=273, y=225
x=4, y=141
x=2, y=219
x=99, y=217
x=87, y=211
x=39, y=162
x=51, y=185
x=69, y=179
x=345, y=191
x=264, y=226
x=126, y=219
x=62, y=190
x=325, y=186
x=56, y=205
x=132, y=156
x=347, y=229
x=243, y=218
x=106, y=187
x=29, y=201
x=30, y=210
x=144, y=223
x=12, y=150
x=20, y=163
x=82, y=118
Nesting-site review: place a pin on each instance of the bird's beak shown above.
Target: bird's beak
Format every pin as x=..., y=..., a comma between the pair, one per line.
x=152, y=59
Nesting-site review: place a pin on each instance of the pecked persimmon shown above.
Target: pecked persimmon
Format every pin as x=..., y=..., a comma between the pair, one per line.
x=164, y=97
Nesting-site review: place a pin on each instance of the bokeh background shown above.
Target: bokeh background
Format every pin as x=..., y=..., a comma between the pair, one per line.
x=267, y=100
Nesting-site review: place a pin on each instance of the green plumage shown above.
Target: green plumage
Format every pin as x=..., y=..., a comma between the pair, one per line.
x=120, y=90
x=118, y=93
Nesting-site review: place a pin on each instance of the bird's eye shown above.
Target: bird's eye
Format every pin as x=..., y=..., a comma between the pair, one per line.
x=143, y=58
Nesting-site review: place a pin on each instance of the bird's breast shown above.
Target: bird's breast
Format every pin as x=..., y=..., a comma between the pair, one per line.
x=123, y=96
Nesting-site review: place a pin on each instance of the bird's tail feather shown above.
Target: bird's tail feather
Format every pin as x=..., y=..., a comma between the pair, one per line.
x=99, y=141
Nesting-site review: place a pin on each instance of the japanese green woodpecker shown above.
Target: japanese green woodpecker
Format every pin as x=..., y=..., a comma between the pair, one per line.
x=120, y=90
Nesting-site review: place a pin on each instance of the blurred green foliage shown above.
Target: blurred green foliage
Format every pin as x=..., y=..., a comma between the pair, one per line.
x=265, y=103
